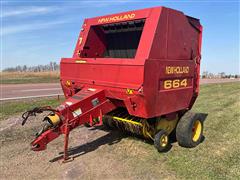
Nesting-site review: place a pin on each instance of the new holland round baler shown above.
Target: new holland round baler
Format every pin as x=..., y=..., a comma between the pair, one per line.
x=138, y=71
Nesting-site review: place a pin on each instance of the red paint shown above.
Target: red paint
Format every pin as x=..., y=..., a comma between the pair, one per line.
x=169, y=38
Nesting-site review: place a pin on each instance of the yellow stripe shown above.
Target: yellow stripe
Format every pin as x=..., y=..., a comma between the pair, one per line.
x=80, y=61
x=128, y=121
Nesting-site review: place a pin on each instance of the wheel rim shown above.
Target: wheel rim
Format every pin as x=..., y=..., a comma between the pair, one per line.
x=196, y=130
x=164, y=140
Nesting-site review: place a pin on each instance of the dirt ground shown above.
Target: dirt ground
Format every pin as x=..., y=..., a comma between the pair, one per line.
x=98, y=154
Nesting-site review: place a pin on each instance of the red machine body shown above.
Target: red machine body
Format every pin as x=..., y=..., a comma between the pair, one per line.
x=140, y=75
x=146, y=61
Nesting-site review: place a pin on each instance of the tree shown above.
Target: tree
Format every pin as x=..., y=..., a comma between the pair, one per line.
x=205, y=74
x=222, y=74
x=52, y=66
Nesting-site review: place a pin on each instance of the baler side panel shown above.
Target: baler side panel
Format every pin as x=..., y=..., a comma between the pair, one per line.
x=176, y=45
x=158, y=48
x=102, y=75
x=182, y=37
x=160, y=101
x=80, y=41
x=148, y=35
x=96, y=42
x=175, y=99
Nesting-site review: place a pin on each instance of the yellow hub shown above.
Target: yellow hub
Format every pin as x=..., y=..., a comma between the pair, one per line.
x=164, y=140
x=196, y=130
x=53, y=119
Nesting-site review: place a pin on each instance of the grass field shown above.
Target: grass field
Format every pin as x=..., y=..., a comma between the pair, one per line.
x=218, y=157
x=15, y=107
x=28, y=77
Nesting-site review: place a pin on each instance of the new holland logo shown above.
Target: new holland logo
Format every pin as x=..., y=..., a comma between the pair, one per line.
x=116, y=18
x=177, y=69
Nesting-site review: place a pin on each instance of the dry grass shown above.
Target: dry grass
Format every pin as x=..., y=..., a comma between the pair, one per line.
x=28, y=77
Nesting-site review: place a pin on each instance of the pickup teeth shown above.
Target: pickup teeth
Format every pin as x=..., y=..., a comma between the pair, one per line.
x=120, y=119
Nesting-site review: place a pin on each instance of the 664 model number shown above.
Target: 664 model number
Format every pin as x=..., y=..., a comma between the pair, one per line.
x=176, y=83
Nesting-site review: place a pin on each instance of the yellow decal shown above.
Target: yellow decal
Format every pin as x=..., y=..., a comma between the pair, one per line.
x=129, y=91
x=80, y=41
x=177, y=69
x=173, y=84
x=80, y=61
x=68, y=83
x=116, y=18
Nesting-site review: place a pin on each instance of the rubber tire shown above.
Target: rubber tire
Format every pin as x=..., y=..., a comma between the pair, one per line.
x=157, y=142
x=172, y=136
x=184, y=129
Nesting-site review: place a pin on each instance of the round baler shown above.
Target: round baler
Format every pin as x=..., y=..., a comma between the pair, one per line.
x=137, y=71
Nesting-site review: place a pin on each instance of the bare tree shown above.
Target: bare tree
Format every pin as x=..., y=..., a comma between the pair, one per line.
x=52, y=66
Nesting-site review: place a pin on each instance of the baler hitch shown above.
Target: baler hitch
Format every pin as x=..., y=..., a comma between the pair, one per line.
x=50, y=121
x=34, y=111
x=86, y=106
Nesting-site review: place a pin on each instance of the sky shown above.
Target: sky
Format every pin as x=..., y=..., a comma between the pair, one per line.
x=36, y=32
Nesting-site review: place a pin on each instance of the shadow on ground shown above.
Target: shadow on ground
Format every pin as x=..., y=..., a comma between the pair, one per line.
x=112, y=137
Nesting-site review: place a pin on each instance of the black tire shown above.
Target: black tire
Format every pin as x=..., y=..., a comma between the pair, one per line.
x=189, y=130
x=162, y=145
x=172, y=136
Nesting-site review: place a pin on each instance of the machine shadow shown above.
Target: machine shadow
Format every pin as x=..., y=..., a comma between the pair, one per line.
x=111, y=138
x=114, y=136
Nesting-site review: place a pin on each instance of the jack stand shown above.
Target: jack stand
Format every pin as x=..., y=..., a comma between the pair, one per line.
x=66, y=158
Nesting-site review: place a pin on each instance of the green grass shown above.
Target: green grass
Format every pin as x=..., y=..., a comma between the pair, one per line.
x=218, y=157
x=15, y=107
